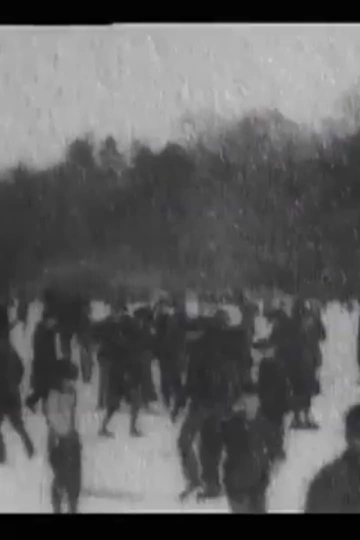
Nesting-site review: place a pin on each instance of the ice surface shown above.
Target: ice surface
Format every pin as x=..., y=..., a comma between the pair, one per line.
x=143, y=475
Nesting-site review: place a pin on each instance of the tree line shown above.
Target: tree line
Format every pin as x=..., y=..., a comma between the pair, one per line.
x=265, y=204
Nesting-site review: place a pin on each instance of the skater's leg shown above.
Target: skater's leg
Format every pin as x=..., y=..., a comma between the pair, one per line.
x=165, y=384
x=190, y=428
x=175, y=390
x=56, y=496
x=56, y=462
x=148, y=394
x=2, y=442
x=135, y=404
x=238, y=504
x=73, y=481
x=17, y=422
x=276, y=417
x=257, y=497
x=112, y=406
x=103, y=384
x=210, y=456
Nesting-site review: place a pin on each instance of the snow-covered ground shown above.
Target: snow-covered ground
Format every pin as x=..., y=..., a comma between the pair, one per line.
x=143, y=475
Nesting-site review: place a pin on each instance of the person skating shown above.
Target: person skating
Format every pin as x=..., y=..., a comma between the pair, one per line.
x=125, y=349
x=213, y=385
x=11, y=373
x=45, y=358
x=210, y=452
x=111, y=356
x=64, y=445
x=302, y=366
x=251, y=449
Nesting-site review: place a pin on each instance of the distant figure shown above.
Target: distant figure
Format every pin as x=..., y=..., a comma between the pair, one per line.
x=274, y=383
x=64, y=446
x=170, y=351
x=275, y=397
x=304, y=363
x=125, y=350
x=45, y=358
x=99, y=336
x=335, y=488
x=11, y=373
x=112, y=356
x=145, y=320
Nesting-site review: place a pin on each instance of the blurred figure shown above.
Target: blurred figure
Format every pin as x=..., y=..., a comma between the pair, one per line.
x=335, y=488
x=275, y=398
x=250, y=452
x=112, y=357
x=125, y=350
x=64, y=446
x=145, y=320
x=11, y=373
x=304, y=363
x=213, y=385
x=45, y=358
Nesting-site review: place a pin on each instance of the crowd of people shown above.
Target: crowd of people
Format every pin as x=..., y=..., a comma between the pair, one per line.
x=231, y=402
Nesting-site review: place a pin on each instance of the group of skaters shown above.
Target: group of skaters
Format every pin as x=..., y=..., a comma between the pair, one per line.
x=230, y=391
x=237, y=406
x=53, y=387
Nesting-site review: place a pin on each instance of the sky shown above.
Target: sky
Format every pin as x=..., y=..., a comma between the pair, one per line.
x=142, y=81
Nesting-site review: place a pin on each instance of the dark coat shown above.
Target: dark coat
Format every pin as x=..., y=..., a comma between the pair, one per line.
x=125, y=352
x=274, y=389
x=11, y=374
x=214, y=372
x=336, y=487
x=45, y=358
x=250, y=448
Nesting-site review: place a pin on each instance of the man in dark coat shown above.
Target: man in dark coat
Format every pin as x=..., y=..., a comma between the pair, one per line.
x=250, y=452
x=11, y=373
x=303, y=364
x=171, y=355
x=287, y=342
x=45, y=358
x=335, y=488
x=274, y=393
x=273, y=384
x=236, y=349
x=126, y=350
x=146, y=352
x=111, y=358
x=210, y=453
x=213, y=385
x=99, y=336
